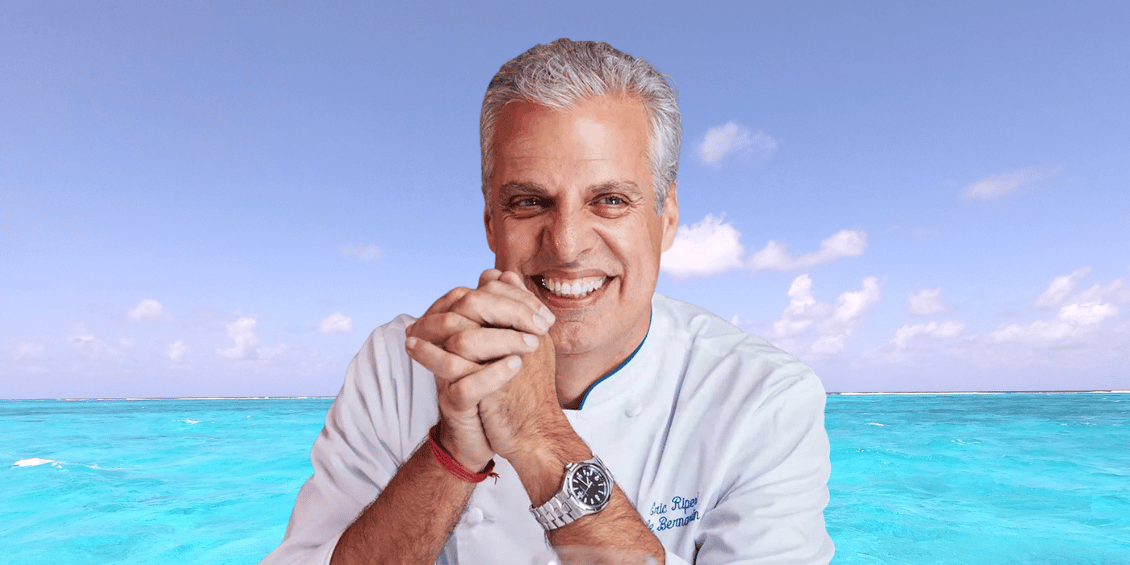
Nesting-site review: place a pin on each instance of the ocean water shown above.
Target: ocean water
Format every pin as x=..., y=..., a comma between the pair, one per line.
x=925, y=479
x=993, y=478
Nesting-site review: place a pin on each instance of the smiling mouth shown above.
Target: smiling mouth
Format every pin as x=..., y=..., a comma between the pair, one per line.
x=578, y=288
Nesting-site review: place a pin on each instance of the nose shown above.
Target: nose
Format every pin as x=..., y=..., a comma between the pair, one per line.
x=568, y=234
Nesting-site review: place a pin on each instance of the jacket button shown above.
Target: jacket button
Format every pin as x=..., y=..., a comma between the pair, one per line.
x=633, y=409
x=473, y=517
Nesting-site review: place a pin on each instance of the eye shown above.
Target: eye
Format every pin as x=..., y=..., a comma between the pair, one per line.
x=612, y=205
x=526, y=205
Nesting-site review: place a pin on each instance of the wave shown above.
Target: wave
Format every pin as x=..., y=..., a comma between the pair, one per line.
x=35, y=461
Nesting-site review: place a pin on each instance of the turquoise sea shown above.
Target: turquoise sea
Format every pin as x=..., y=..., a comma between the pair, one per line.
x=924, y=479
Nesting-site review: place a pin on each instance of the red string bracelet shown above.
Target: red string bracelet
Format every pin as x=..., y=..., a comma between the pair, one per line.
x=454, y=467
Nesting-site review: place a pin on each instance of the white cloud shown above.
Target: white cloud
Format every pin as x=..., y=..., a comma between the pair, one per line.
x=713, y=247
x=727, y=139
x=362, y=252
x=265, y=353
x=177, y=351
x=245, y=338
x=1087, y=313
x=336, y=323
x=851, y=305
x=1117, y=292
x=710, y=247
x=1073, y=322
x=945, y=330
x=802, y=310
x=87, y=345
x=913, y=343
x=926, y=302
x=1087, y=330
x=1060, y=288
x=148, y=309
x=26, y=351
x=832, y=324
x=776, y=256
x=1079, y=316
x=995, y=186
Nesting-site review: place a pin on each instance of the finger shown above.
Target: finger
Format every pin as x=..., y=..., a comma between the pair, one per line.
x=469, y=390
x=512, y=288
x=486, y=344
x=515, y=286
x=514, y=279
x=437, y=328
x=444, y=303
x=448, y=366
x=488, y=276
x=503, y=305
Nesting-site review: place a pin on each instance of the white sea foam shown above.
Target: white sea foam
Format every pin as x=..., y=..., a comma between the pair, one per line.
x=191, y=421
x=34, y=461
x=874, y=424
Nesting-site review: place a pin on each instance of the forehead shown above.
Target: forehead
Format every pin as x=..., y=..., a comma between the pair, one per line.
x=603, y=132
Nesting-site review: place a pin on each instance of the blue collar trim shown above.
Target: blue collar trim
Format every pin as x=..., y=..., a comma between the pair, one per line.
x=618, y=367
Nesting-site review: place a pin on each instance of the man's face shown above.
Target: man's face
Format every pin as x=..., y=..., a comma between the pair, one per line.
x=573, y=212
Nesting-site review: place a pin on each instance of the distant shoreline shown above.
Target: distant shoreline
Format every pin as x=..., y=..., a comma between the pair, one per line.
x=960, y=392
x=875, y=393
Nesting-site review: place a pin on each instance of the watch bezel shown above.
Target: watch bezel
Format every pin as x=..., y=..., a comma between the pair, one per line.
x=597, y=465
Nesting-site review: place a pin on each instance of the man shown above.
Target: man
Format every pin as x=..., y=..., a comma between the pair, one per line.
x=611, y=417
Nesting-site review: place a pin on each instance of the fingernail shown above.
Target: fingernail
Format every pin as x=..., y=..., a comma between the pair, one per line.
x=410, y=343
x=530, y=340
x=548, y=315
x=541, y=322
x=514, y=363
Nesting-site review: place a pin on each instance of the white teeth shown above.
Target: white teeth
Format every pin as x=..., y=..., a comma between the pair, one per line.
x=575, y=289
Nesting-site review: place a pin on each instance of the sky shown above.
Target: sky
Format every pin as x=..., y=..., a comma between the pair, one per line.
x=223, y=199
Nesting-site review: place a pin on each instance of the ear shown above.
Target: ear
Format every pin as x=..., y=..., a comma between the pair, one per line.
x=490, y=229
x=670, y=216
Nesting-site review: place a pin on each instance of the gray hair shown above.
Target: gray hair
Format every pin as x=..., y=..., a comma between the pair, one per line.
x=565, y=72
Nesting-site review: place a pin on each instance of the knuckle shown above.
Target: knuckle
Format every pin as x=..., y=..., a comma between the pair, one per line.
x=455, y=294
x=455, y=396
x=449, y=321
x=462, y=392
x=461, y=303
x=489, y=275
x=457, y=343
x=450, y=365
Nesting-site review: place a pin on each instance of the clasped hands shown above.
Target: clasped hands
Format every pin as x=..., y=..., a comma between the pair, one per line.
x=493, y=360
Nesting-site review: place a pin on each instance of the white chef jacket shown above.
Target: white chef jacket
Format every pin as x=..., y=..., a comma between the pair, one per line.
x=715, y=436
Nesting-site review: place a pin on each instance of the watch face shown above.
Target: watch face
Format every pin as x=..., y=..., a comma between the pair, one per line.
x=590, y=486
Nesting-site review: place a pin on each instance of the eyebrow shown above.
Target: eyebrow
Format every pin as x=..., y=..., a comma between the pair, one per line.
x=514, y=188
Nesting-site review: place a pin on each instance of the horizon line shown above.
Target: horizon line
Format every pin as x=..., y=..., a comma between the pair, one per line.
x=837, y=393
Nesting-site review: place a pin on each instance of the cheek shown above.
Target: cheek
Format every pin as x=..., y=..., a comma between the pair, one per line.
x=515, y=246
x=639, y=247
x=515, y=241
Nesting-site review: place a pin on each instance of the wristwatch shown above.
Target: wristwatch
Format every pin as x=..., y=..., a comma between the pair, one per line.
x=586, y=490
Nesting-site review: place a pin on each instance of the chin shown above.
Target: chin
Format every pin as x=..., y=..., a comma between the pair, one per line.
x=572, y=337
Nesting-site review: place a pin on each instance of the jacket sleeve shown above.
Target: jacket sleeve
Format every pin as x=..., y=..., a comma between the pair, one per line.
x=363, y=443
x=773, y=511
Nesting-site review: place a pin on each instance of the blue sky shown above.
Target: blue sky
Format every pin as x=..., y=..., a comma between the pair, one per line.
x=202, y=199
